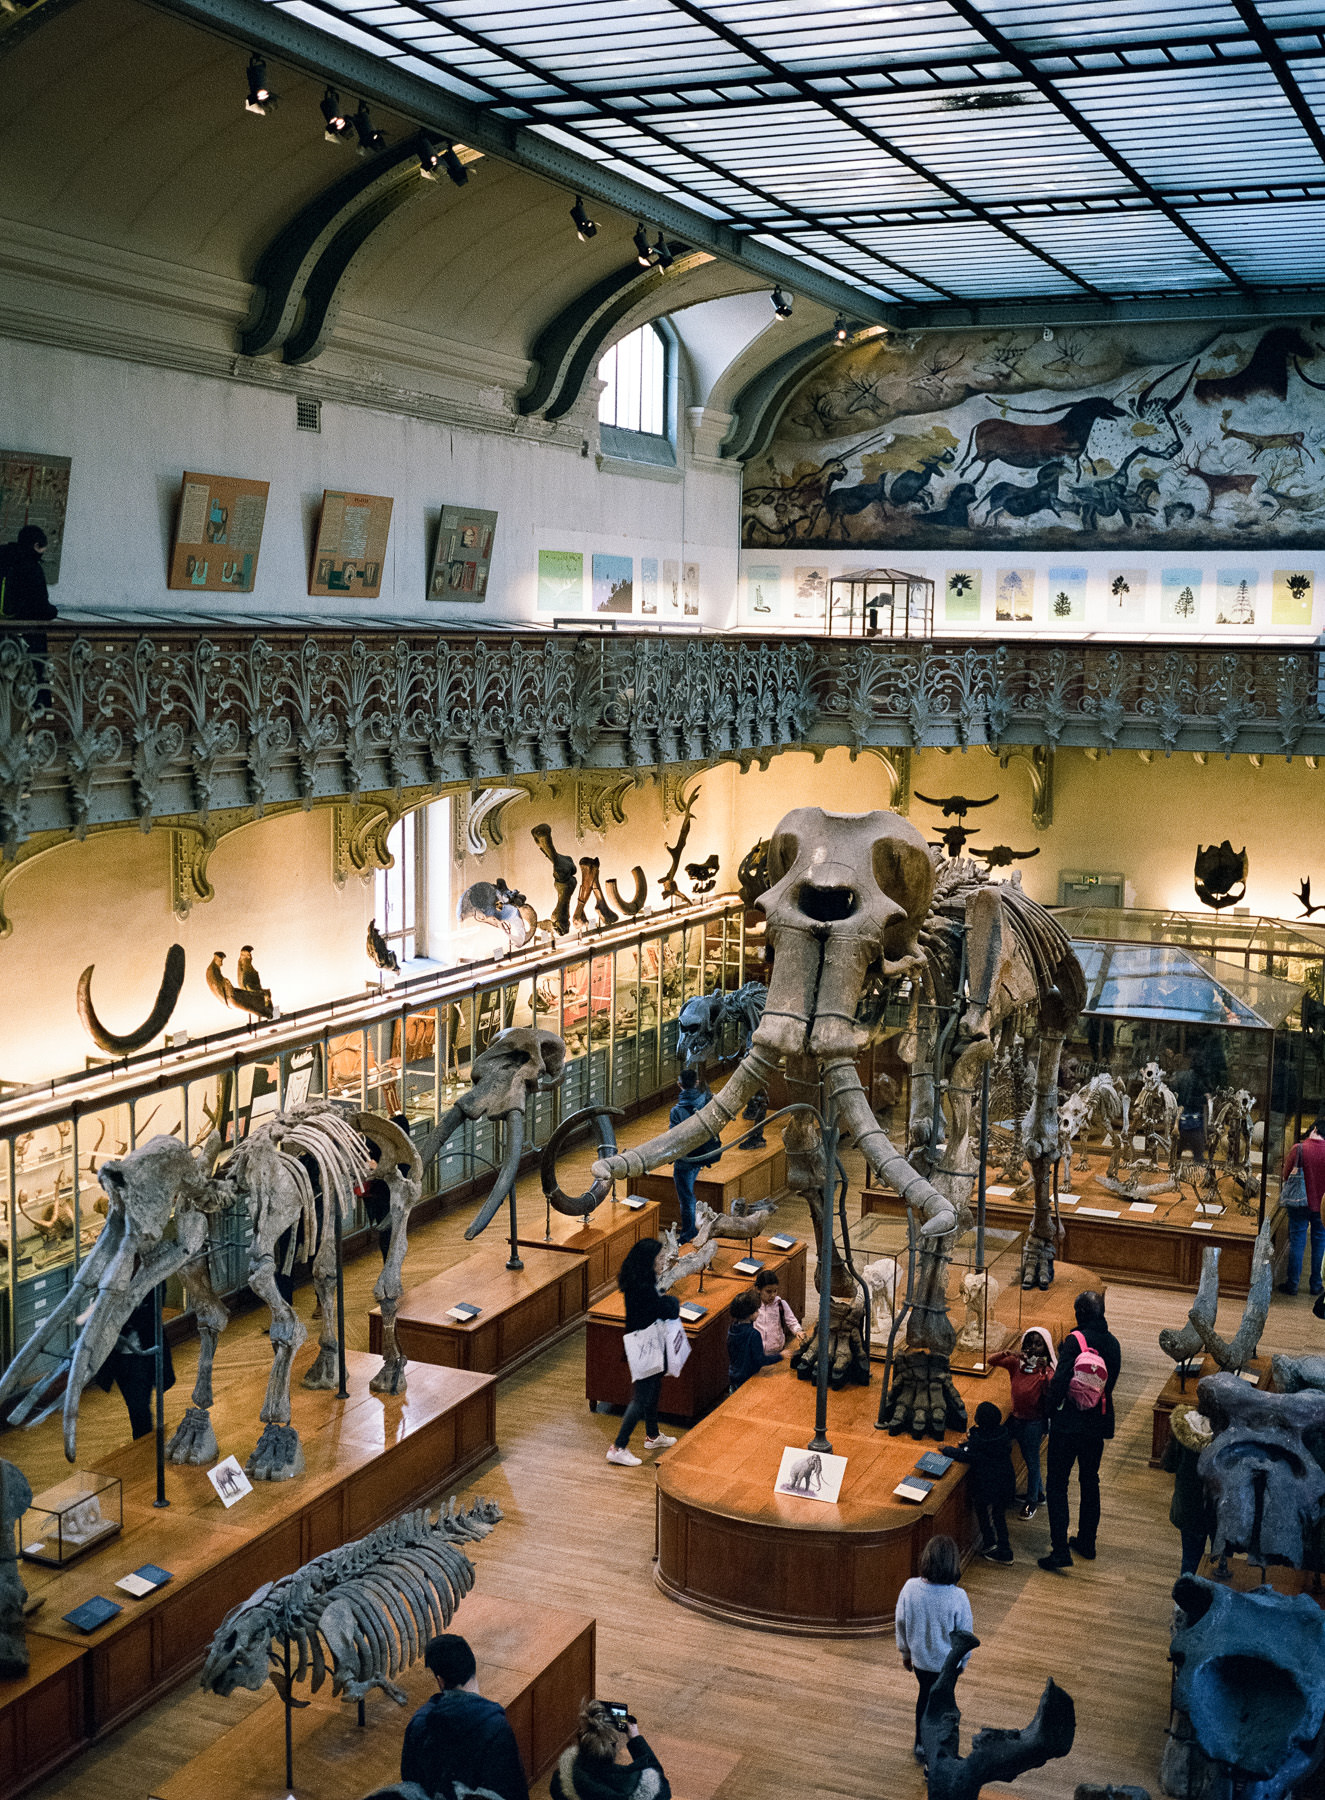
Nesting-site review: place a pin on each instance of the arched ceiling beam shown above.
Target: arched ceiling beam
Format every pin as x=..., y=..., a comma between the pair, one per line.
x=299, y=273
x=759, y=405
x=570, y=348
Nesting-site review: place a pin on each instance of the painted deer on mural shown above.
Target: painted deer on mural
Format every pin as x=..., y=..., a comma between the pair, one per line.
x=855, y=909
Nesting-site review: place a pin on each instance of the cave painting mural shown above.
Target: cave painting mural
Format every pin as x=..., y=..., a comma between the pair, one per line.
x=1172, y=436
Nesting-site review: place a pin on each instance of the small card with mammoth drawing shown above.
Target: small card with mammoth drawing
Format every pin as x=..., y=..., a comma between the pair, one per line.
x=810, y=1475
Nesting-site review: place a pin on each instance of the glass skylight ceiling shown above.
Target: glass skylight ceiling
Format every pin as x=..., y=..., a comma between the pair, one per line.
x=927, y=151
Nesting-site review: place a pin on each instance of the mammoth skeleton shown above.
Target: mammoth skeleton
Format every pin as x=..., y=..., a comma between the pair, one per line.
x=856, y=909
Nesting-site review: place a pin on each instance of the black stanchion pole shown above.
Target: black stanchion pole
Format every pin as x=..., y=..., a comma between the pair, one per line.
x=160, y=1325
x=342, y=1392
x=824, y=1276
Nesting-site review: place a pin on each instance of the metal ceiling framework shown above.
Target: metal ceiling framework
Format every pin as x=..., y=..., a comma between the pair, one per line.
x=942, y=158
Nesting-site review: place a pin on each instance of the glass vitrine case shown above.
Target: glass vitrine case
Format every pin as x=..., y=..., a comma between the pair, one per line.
x=982, y=1283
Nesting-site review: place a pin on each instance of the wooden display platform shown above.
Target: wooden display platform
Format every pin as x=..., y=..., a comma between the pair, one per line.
x=729, y=1546
x=738, y=1175
x=1174, y=1394
x=1159, y=1249
x=535, y=1661
x=367, y=1459
x=603, y=1238
x=703, y=1380
x=523, y=1310
x=43, y=1716
x=694, y=1771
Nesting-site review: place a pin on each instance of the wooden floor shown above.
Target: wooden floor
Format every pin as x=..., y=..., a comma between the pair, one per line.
x=811, y=1720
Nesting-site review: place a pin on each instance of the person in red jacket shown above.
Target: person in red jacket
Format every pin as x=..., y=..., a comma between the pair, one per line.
x=1032, y=1369
x=1311, y=1153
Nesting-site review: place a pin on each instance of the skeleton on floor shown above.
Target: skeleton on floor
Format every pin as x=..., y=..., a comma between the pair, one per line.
x=168, y=1208
x=857, y=908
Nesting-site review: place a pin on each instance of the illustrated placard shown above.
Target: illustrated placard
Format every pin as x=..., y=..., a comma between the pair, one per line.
x=351, y=544
x=1291, y=597
x=34, y=490
x=218, y=533
x=1180, y=596
x=763, y=587
x=1236, y=597
x=464, y=555
x=1014, y=596
x=614, y=584
x=961, y=597
x=648, y=584
x=560, y=581
x=1067, y=596
x=810, y=1475
x=229, y=1480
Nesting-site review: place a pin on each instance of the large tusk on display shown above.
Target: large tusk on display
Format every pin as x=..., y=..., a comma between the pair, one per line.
x=754, y=1071
x=636, y=902
x=505, y=1178
x=842, y=1084
x=172, y=980
x=578, y=1206
x=84, y=1288
x=435, y=1141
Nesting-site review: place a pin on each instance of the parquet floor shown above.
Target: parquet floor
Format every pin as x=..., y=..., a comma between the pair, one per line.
x=811, y=1720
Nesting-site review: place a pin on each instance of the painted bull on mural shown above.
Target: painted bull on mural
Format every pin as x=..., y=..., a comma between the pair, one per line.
x=1032, y=446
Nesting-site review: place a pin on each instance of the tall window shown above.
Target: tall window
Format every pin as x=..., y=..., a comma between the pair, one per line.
x=396, y=890
x=635, y=370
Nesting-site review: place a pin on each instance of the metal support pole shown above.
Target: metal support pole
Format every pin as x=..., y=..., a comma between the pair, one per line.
x=342, y=1391
x=984, y=1167
x=159, y=1324
x=824, y=1276
x=288, y=1697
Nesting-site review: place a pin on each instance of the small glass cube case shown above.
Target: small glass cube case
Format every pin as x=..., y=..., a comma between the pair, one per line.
x=82, y=1510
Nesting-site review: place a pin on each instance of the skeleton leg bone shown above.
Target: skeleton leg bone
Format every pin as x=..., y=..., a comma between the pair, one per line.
x=194, y=1441
x=278, y=1454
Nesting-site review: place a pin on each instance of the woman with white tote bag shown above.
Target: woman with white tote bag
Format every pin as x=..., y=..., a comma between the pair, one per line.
x=645, y=1348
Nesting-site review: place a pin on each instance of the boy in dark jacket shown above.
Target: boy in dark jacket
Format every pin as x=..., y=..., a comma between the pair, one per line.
x=693, y=1095
x=458, y=1735
x=1078, y=1434
x=993, y=1484
x=746, y=1355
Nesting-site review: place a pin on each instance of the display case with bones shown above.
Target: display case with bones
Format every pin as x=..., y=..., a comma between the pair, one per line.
x=982, y=1286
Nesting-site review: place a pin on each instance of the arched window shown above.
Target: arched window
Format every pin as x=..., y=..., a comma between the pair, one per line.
x=635, y=370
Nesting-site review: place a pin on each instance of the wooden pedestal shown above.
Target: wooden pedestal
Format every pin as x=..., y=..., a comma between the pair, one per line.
x=602, y=1239
x=366, y=1460
x=730, y=1546
x=703, y=1380
x=1174, y=1394
x=535, y=1661
x=523, y=1310
x=737, y=1175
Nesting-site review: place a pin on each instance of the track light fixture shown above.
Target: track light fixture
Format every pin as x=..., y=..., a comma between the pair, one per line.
x=782, y=303
x=662, y=255
x=429, y=160
x=643, y=248
x=370, y=141
x=338, y=127
x=260, y=96
x=584, y=225
x=454, y=167
x=841, y=331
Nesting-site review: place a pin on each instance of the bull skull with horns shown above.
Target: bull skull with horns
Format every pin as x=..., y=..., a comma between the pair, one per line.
x=856, y=907
x=164, y=1205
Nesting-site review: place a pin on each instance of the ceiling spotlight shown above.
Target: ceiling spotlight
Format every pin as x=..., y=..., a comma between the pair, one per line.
x=662, y=255
x=370, y=141
x=643, y=248
x=429, y=160
x=454, y=167
x=338, y=127
x=840, y=330
x=260, y=96
x=584, y=225
x=782, y=303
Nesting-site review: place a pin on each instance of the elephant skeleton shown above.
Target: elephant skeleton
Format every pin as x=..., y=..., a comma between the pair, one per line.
x=855, y=908
x=165, y=1208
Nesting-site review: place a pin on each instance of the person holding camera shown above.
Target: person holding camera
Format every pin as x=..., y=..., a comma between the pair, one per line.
x=610, y=1760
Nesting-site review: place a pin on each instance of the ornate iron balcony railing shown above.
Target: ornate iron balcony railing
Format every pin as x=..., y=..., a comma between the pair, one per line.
x=116, y=726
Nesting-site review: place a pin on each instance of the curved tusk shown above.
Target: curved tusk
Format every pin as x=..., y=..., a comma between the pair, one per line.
x=636, y=902
x=172, y=980
x=842, y=1084
x=578, y=1206
x=84, y=1288
x=754, y=1071
x=505, y=1178
x=436, y=1139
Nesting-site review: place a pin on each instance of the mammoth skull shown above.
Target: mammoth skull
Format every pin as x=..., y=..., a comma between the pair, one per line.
x=849, y=894
x=513, y=1067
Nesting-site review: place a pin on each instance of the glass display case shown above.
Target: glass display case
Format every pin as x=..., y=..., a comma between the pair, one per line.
x=82, y=1510
x=1168, y=1085
x=982, y=1287
x=612, y=995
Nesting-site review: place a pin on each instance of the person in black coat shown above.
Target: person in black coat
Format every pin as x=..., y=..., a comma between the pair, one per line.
x=746, y=1355
x=458, y=1736
x=609, y=1761
x=638, y=1281
x=1078, y=1435
x=992, y=1481
x=23, y=590
x=131, y=1365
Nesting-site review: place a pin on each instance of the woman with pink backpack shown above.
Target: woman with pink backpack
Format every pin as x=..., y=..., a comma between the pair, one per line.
x=1080, y=1424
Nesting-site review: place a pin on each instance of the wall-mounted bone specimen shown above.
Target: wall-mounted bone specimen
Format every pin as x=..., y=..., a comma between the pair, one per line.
x=248, y=996
x=493, y=903
x=1303, y=898
x=1002, y=856
x=752, y=873
x=591, y=888
x=563, y=877
x=668, y=886
x=704, y=875
x=954, y=806
x=120, y=1043
x=380, y=953
x=1221, y=874
x=636, y=902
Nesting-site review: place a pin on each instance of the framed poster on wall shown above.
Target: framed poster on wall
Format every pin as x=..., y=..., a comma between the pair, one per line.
x=351, y=544
x=34, y=490
x=464, y=554
x=218, y=533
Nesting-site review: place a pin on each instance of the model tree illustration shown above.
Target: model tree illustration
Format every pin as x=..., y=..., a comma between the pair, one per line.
x=959, y=584
x=1185, y=605
x=1120, y=586
x=1298, y=585
x=1062, y=605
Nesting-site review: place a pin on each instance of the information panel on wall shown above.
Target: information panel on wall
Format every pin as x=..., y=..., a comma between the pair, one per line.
x=351, y=544
x=34, y=490
x=464, y=554
x=218, y=533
